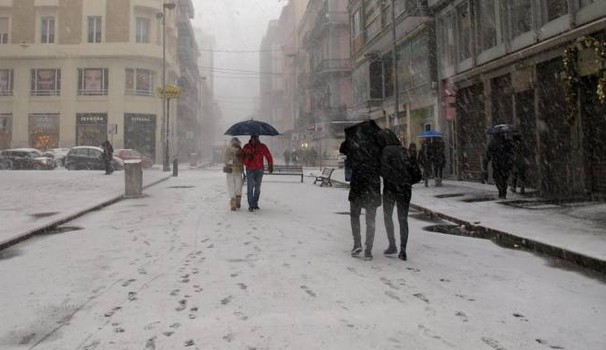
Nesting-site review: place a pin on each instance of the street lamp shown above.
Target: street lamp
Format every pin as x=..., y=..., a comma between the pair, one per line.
x=166, y=161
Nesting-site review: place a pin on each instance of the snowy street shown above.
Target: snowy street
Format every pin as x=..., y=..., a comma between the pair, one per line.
x=176, y=269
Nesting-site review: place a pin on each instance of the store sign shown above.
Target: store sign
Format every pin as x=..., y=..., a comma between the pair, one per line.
x=170, y=91
x=91, y=118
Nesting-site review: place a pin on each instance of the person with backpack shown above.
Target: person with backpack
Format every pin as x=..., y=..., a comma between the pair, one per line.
x=399, y=172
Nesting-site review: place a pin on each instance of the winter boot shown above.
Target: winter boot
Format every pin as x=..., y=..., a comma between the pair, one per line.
x=391, y=250
x=367, y=255
x=402, y=255
x=238, y=202
x=356, y=250
x=232, y=204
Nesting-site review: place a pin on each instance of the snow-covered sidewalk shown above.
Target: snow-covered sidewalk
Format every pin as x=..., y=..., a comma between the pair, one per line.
x=578, y=228
x=32, y=200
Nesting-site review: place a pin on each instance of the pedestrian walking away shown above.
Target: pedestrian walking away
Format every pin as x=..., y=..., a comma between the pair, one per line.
x=362, y=151
x=254, y=153
x=500, y=153
x=397, y=174
x=233, y=170
x=108, y=156
x=437, y=147
x=424, y=158
x=286, y=156
x=520, y=164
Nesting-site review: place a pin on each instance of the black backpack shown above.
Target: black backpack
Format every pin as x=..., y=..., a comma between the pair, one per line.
x=415, y=171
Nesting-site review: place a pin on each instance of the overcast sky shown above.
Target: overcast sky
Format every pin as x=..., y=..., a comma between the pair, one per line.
x=236, y=25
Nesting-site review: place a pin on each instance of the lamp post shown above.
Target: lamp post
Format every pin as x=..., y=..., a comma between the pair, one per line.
x=165, y=120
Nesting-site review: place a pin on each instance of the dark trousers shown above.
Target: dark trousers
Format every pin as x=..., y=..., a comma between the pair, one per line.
x=402, y=201
x=437, y=171
x=253, y=187
x=108, y=166
x=500, y=179
x=518, y=177
x=371, y=212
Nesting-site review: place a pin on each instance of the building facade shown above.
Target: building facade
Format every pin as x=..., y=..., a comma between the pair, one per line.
x=397, y=89
x=75, y=72
x=209, y=114
x=537, y=64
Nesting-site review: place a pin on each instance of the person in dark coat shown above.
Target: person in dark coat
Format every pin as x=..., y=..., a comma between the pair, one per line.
x=520, y=165
x=424, y=158
x=397, y=188
x=500, y=153
x=412, y=151
x=108, y=156
x=360, y=147
x=437, y=149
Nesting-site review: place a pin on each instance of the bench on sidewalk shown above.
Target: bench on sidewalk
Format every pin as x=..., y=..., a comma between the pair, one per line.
x=296, y=170
x=324, y=178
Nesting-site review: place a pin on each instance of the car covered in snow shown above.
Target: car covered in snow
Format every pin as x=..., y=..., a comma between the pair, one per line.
x=89, y=158
x=128, y=154
x=58, y=154
x=27, y=159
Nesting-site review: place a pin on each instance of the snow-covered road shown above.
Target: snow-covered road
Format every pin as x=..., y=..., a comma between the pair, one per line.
x=176, y=269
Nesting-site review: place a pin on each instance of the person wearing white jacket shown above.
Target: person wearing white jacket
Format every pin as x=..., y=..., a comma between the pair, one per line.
x=233, y=170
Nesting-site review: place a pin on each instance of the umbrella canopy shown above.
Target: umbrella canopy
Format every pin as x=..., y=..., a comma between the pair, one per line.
x=252, y=127
x=501, y=129
x=430, y=134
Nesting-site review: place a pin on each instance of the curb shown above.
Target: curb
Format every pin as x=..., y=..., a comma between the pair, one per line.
x=479, y=231
x=58, y=222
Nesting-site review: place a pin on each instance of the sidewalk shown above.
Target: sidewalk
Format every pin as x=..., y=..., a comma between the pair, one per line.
x=36, y=201
x=575, y=231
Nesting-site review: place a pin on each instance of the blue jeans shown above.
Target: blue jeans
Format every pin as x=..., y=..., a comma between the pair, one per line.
x=253, y=186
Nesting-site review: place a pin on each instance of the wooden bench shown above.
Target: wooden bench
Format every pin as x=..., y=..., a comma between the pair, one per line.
x=285, y=170
x=324, y=178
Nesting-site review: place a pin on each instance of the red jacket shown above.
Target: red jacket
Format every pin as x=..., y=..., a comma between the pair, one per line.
x=253, y=156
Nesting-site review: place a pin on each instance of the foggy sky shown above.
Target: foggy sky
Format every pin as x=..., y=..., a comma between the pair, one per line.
x=236, y=25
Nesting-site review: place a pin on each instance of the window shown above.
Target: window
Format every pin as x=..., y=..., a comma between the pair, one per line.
x=6, y=82
x=45, y=82
x=464, y=29
x=356, y=24
x=139, y=82
x=521, y=17
x=448, y=39
x=143, y=25
x=3, y=30
x=47, y=30
x=92, y=81
x=586, y=2
x=5, y=123
x=487, y=24
x=555, y=9
x=94, y=29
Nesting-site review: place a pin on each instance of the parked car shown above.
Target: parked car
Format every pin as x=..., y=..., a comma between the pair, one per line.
x=5, y=163
x=127, y=153
x=27, y=159
x=89, y=158
x=58, y=154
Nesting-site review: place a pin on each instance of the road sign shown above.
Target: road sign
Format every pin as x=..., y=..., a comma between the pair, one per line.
x=112, y=129
x=171, y=91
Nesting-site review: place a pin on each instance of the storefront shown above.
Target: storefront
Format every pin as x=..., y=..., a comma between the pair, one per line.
x=91, y=129
x=140, y=133
x=44, y=130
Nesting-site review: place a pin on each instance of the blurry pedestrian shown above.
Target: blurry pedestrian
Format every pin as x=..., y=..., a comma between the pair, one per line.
x=254, y=152
x=438, y=159
x=362, y=151
x=424, y=159
x=233, y=170
x=500, y=153
x=412, y=151
x=294, y=156
x=108, y=156
x=396, y=171
x=286, y=156
x=520, y=164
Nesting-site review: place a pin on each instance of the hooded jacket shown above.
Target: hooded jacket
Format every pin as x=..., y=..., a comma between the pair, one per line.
x=395, y=163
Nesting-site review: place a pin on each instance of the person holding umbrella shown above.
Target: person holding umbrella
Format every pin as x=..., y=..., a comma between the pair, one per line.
x=254, y=152
x=500, y=152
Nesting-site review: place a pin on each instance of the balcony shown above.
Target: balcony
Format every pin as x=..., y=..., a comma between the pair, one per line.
x=333, y=66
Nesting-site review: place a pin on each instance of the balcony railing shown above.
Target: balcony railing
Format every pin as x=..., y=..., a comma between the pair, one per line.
x=332, y=17
x=333, y=65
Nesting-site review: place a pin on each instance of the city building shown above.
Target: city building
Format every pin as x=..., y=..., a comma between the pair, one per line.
x=394, y=77
x=324, y=76
x=537, y=64
x=209, y=113
x=76, y=72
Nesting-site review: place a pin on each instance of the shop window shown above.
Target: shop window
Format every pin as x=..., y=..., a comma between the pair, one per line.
x=4, y=30
x=44, y=130
x=92, y=81
x=91, y=129
x=45, y=82
x=6, y=82
x=139, y=82
x=555, y=9
x=47, y=30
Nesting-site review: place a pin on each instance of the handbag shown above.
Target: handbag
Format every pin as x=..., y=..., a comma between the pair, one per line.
x=227, y=169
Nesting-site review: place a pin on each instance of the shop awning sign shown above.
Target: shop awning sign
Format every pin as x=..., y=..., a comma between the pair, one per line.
x=170, y=91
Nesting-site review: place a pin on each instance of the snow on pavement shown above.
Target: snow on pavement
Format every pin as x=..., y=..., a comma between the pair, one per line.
x=177, y=269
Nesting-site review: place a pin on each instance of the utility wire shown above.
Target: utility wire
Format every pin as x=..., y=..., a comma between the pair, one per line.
x=238, y=51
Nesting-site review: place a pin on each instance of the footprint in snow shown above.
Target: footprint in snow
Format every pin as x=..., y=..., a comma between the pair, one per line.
x=462, y=316
x=182, y=305
x=174, y=292
x=308, y=291
x=242, y=286
x=227, y=300
x=193, y=313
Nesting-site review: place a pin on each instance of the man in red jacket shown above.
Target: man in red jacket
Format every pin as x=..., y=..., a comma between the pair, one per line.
x=254, y=152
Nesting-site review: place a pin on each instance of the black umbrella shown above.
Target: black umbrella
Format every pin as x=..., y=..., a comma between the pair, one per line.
x=502, y=129
x=252, y=127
